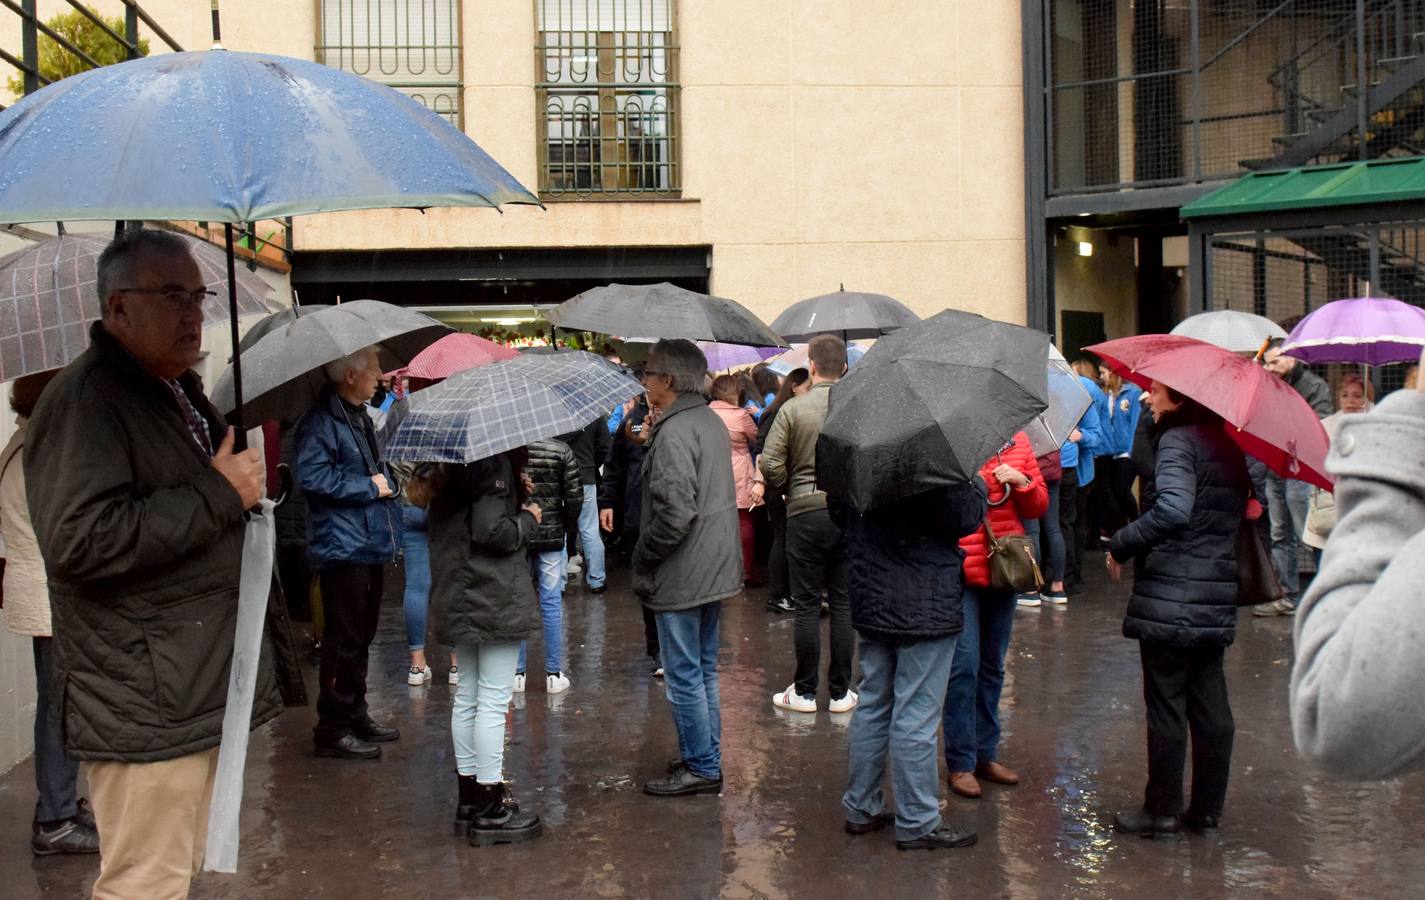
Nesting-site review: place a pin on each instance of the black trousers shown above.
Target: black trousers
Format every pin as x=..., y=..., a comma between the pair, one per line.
x=778, y=581
x=1113, y=492
x=1070, y=524
x=1186, y=693
x=351, y=605
x=816, y=561
x=650, y=633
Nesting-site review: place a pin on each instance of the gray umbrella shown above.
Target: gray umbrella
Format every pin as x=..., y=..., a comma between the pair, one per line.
x=663, y=311
x=928, y=405
x=48, y=297
x=850, y=315
x=268, y=324
x=282, y=371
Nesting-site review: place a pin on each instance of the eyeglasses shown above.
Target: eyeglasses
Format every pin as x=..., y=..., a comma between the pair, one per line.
x=175, y=295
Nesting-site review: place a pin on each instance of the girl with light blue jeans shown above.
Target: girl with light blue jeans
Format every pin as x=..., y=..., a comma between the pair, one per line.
x=415, y=551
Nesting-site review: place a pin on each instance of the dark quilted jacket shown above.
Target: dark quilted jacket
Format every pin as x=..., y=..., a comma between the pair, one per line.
x=558, y=491
x=906, y=580
x=142, y=541
x=1184, y=544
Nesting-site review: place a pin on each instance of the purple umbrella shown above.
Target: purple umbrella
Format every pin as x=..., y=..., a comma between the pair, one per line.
x=728, y=356
x=1368, y=331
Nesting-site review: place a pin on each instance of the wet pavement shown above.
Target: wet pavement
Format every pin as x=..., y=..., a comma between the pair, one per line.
x=1074, y=731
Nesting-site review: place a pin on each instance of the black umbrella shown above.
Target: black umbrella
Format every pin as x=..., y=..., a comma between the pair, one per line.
x=662, y=311
x=282, y=370
x=850, y=315
x=928, y=405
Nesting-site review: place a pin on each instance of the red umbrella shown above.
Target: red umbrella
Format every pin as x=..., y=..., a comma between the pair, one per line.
x=1264, y=414
x=456, y=353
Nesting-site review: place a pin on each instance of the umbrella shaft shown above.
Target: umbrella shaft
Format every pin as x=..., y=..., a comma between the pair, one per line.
x=239, y=439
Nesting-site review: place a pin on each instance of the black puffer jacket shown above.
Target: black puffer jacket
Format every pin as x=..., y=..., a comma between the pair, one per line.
x=1184, y=545
x=906, y=579
x=557, y=490
x=480, y=586
x=621, y=488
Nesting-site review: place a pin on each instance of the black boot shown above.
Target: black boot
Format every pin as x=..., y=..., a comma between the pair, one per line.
x=498, y=819
x=465, y=809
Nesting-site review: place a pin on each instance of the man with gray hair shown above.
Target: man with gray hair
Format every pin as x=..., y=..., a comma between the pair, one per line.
x=353, y=530
x=688, y=557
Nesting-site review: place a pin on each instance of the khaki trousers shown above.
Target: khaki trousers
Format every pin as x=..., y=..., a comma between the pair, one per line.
x=153, y=824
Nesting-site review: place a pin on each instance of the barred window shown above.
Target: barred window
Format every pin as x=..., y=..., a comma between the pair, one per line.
x=607, y=98
x=411, y=45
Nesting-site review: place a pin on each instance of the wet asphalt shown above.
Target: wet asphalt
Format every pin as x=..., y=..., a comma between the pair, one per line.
x=1073, y=730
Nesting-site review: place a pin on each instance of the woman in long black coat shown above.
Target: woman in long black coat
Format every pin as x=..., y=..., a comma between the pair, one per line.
x=1183, y=612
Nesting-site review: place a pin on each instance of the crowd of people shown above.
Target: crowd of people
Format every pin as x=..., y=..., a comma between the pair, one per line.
x=122, y=500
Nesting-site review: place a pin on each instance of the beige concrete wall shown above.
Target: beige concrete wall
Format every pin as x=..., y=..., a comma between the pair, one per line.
x=877, y=145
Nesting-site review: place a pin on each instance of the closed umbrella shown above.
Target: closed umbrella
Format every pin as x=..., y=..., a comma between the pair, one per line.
x=284, y=367
x=1230, y=329
x=850, y=315
x=662, y=310
x=48, y=298
x=928, y=405
x=490, y=409
x=1264, y=415
x=1371, y=331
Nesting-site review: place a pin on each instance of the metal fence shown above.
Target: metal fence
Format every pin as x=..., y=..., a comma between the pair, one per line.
x=1163, y=92
x=410, y=45
x=607, y=98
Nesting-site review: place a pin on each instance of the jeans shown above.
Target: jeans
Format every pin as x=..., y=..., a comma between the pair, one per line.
x=415, y=550
x=1046, y=538
x=351, y=607
x=816, y=559
x=972, y=728
x=548, y=568
x=477, y=715
x=902, y=694
x=55, y=772
x=590, y=539
x=1287, y=507
x=1185, y=691
x=689, y=641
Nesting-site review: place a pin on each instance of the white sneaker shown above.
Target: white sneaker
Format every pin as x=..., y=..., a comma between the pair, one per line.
x=454, y=676
x=1029, y=601
x=845, y=704
x=576, y=565
x=557, y=683
x=417, y=677
x=792, y=701
x=519, y=684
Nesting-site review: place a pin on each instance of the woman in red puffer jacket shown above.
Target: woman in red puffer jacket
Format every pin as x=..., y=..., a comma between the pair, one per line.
x=971, y=719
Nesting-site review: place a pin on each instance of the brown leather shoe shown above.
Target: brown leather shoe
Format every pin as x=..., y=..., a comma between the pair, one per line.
x=993, y=771
x=964, y=784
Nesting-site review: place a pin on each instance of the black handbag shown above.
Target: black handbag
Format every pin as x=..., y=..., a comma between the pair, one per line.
x=1257, y=580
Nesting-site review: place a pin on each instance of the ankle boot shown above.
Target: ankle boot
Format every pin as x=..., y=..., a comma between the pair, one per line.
x=499, y=820
x=465, y=807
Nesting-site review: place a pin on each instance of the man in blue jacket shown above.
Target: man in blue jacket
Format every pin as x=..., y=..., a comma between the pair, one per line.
x=353, y=529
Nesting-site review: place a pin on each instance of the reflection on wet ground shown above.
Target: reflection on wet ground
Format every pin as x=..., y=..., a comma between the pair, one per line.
x=1074, y=730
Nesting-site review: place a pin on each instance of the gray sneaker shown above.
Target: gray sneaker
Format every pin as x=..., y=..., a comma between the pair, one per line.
x=1282, y=607
x=69, y=836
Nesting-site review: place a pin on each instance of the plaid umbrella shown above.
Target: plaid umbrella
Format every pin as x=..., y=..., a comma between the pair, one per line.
x=48, y=297
x=487, y=410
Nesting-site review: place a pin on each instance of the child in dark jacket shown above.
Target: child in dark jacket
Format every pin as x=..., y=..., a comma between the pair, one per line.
x=553, y=470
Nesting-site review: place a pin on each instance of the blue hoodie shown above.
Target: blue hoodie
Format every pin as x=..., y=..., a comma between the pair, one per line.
x=1123, y=411
x=1080, y=456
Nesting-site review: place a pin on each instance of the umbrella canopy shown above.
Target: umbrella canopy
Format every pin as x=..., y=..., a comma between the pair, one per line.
x=479, y=412
x=849, y=315
x=663, y=310
x=266, y=325
x=928, y=405
x=1368, y=331
x=796, y=358
x=1268, y=418
x=1230, y=329
x=232, y=137
x=282, y=371
x=1068, y=401
x=730, y=356
x=48, y=298
x=456, y=353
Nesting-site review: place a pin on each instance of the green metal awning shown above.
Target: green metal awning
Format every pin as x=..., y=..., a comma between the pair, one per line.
x=1313, y=187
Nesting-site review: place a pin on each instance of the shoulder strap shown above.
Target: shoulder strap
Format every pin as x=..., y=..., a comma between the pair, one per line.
x=9, y=457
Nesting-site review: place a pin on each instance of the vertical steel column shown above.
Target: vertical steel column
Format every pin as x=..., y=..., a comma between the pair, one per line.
x=1038, y=262
x=1375, y=262
x=1197, y=269
x=29, y=46
x=1195, y=39
x=131, y=29
x=1363, y=90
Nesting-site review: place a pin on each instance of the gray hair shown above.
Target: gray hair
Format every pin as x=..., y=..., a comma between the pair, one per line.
x=682, y=362
x=116, y=263
x=336, y=369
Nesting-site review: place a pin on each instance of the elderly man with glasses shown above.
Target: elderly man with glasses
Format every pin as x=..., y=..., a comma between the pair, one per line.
x=137, y=498
x=688, y=558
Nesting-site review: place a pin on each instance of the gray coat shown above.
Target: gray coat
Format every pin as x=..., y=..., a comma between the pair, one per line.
x=1358, y=684
x=689, y=551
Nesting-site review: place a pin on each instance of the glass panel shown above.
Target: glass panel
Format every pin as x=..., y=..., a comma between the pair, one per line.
x=411, y=45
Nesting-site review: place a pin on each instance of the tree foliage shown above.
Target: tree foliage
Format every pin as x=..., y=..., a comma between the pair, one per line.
x=56, y=62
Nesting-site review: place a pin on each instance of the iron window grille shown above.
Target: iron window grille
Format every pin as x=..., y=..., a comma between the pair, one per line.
x=607, y=98
x=410, y=45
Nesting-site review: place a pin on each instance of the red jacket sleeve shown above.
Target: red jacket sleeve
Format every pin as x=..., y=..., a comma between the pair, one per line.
x=1032, y=502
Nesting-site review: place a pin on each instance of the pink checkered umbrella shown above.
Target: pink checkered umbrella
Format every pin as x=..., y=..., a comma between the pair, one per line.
x=456, y=353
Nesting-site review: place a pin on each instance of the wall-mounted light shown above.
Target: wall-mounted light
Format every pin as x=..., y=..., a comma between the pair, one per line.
x=1085, y=248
